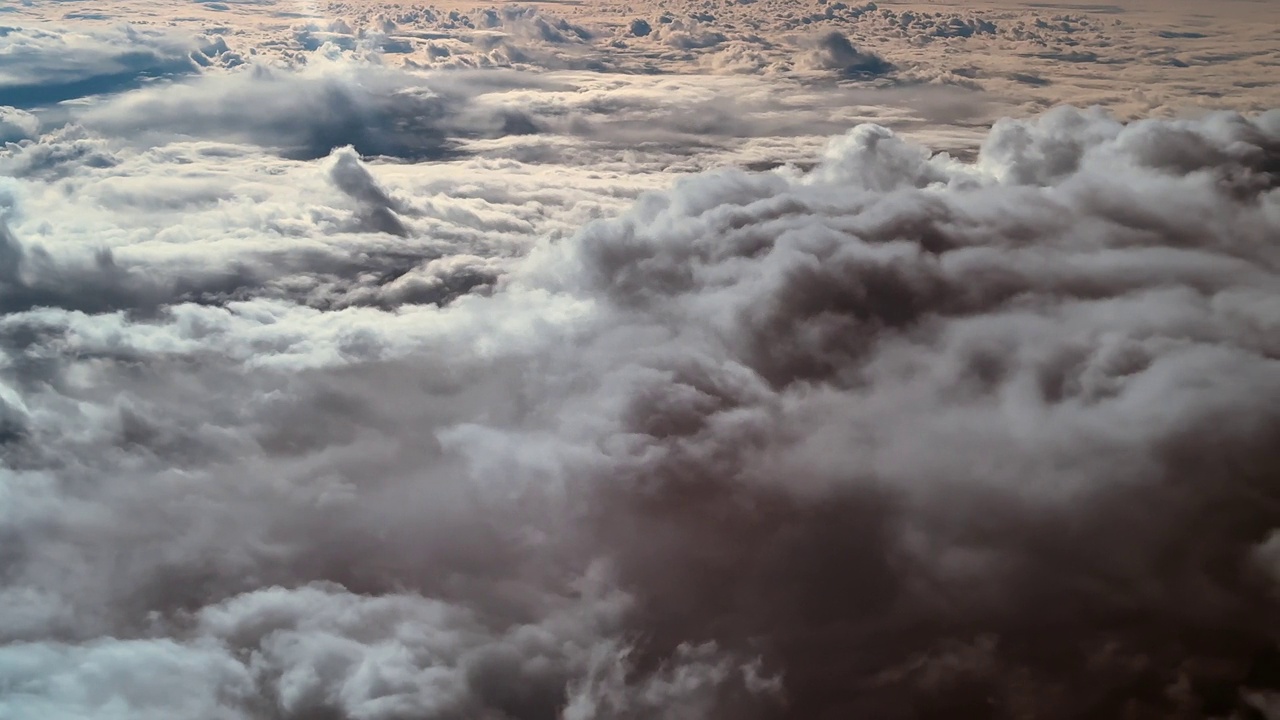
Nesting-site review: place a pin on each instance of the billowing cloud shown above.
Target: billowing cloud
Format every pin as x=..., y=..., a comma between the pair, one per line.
x=898, y=436
x=989, y=435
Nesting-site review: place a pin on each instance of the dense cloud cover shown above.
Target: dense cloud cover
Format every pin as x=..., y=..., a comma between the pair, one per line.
x=1139, y=58
x=287, y=436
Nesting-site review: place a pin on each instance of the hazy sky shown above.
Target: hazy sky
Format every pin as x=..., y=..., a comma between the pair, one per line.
x=621, y=361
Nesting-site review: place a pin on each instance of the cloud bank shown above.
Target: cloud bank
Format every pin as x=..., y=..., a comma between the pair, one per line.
x=41, y=66
x=898, y=436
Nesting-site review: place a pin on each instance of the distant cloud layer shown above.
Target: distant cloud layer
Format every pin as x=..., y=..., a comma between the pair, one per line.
x=1137, y=58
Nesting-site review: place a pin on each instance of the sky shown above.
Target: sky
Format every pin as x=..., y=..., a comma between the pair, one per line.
x=690, y=360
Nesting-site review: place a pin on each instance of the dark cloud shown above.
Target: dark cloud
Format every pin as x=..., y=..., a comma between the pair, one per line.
x=834, y=51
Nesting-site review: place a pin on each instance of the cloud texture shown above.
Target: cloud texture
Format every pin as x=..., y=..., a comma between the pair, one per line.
x=899, y=436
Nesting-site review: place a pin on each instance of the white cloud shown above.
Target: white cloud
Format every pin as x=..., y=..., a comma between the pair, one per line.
x=17, y=125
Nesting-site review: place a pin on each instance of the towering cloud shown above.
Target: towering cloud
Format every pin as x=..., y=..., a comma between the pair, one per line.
x=900, y=436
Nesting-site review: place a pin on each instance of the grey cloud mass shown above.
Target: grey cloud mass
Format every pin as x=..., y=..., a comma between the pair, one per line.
x=334, y=387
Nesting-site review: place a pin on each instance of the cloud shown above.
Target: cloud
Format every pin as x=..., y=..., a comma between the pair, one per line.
x=43, y=66
x=928, y=418
x=179, y=199
x=378, y=210
x=690, y=35
x=306, y=115
x=17, y=125
x=742, y=37
x=320, y=649
x=833, y=51
x=305, y=432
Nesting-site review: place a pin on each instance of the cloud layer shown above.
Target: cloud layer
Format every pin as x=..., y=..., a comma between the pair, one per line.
x=1138, y=58
x=294, y=428
x=377, y=363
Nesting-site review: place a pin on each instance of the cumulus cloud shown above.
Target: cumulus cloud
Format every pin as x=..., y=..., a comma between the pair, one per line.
x=688, y=35
x=920, y=416
x=898, y=436
x=834, y=51
x=17, y=125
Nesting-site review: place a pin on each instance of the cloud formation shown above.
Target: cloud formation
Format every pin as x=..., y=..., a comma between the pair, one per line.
x=307, y=114
x=962, y=427
x=898, y=436
x=833, y=51
x=40, y=66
